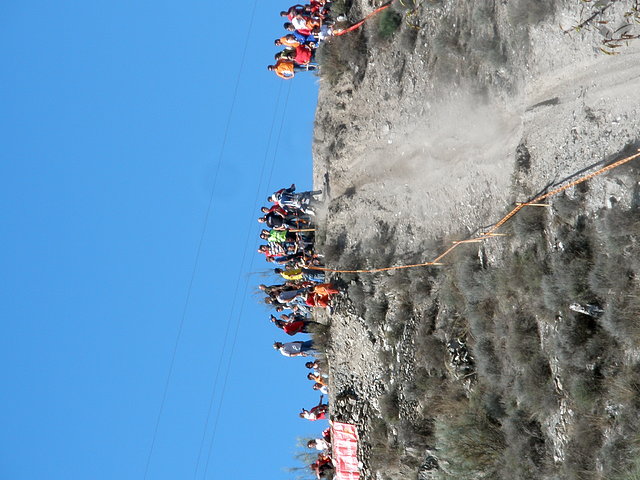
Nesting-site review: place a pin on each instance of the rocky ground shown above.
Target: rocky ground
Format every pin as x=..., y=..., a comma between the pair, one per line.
x=428, y=135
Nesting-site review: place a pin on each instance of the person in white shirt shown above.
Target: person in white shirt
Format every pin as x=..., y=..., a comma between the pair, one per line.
x=295, y=349
x=319, y=444
x=321, y=388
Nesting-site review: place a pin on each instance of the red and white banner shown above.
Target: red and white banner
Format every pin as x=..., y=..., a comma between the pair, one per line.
x=344, y=440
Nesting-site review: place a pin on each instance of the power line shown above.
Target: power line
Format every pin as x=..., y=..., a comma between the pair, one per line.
x=235, y=336
x=200, y=242
x=235, y=294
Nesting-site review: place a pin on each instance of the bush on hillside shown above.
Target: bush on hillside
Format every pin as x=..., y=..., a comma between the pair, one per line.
x=389, y=22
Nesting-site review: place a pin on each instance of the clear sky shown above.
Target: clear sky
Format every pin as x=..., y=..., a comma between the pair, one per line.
x=113, y=117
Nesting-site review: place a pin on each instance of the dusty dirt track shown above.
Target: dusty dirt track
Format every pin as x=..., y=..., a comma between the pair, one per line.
x=438, y=154
x=491, y=104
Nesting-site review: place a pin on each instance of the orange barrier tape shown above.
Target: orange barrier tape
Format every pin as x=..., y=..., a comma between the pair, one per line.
x=491, y=232
x=361, y=22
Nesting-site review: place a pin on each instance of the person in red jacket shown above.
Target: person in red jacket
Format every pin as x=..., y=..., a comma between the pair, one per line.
x=302, y=55
x=295, y=10
x=323, y=467
x=317, y=9
x=293, y=326
x=275, y=208
x=319, y=412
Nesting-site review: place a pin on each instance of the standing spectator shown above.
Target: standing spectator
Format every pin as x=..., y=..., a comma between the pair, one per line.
x=295, y=349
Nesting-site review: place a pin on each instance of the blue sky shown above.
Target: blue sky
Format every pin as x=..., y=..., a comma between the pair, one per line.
x=114, y=114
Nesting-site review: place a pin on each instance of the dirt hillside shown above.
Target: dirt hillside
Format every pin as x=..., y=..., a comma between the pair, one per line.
x=428, y=134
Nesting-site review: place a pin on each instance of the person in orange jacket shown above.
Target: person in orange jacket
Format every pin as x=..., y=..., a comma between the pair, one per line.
x=287, y=41
x=283, y=68
x=287, y=69
x=303, y=55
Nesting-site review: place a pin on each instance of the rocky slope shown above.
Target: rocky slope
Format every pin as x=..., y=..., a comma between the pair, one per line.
x=429, y=135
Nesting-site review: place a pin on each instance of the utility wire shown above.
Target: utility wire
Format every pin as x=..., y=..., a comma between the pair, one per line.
x=200, y=242
x=235, y=293
x=246, y=288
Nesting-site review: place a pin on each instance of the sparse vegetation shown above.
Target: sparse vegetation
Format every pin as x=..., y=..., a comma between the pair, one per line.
x=631, y=472
x=470, y=444
x=487, y=371
x=321, y=335
x=389, y=22
x=486, y=412
x=616, y=31
x=344, y=55
x=340, y=7
x=390, y=407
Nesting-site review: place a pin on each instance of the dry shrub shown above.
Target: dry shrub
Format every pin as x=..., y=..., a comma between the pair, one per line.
x=421, y=280
x=488, y=364
x=388, y=23
x=553, y=298
x=469, y=277
x=358, y=298
x=621, y=317
x=350, y=258
x=524, y=457
x=620, y=458
x=397, y=280
x=470, y=443
x=390, y=406
x=523, y=273
x=615, y=273
x=565, y=208
x=586, y=439
x=631, y=471
x=380, y=250
x=414, y=436
x=493, y=403
x=340, y=7
x=500, y=307
x=622, y=228
x=376, y=311
x=574, y=332
x=569, y=280
x=431, y=353
x=384, y=454
x=333, y=250
x=415, y=440
x=344, y=55
x=535, y=389
x=624, y=388
x=610, y=275
x=585, y=389
x=321, y=336
x=523, y=158
x=523, y=340
x=450, y=295
x=438, y=395
x=530, y=222
x=402, y=312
